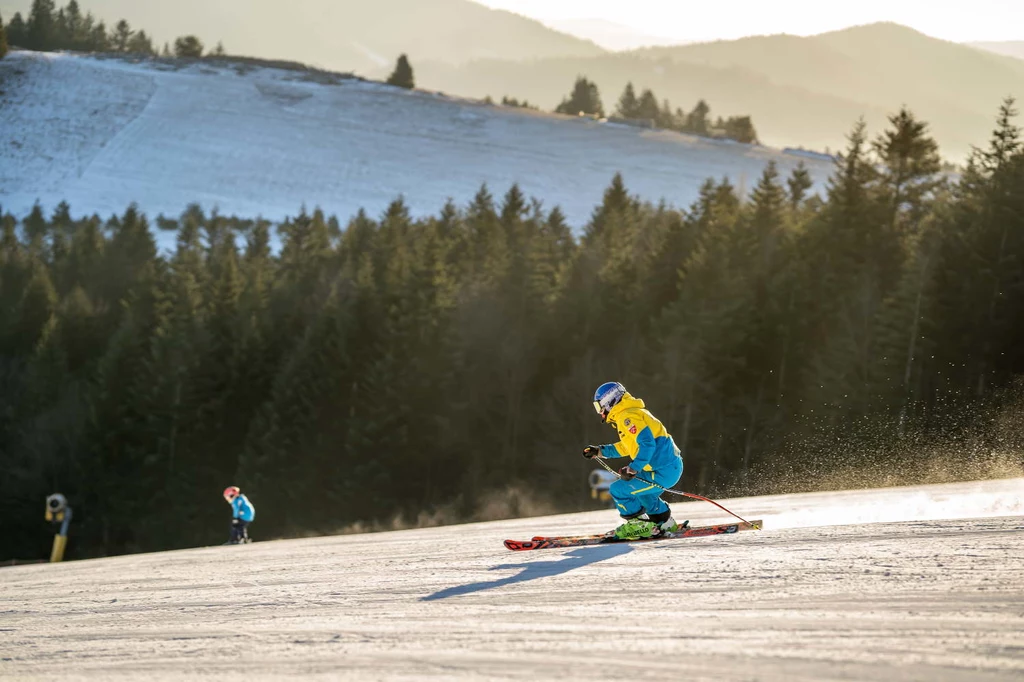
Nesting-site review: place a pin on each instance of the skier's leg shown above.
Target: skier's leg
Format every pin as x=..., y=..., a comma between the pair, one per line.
x=666, y=477
x=628, y=496
x=657, y=509
x=625, y=499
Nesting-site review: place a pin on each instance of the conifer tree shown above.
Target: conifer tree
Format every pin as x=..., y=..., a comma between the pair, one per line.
x=628, y=106
x=42, y=29
x=3, y=39
x=402, y=76
x=647, y=107
x=140, y=43
x=99, y=41
x=584, y=99
x=697, y=120
x=188, y=47
x=911, y=163
x=121, y=37
x=741, y=129
x=666, y=119
x=1006, y=139
x=17, y=33
x=979, y=273
x=60, y=32
x=848, y=277
x=74, y=26
x=799, y=183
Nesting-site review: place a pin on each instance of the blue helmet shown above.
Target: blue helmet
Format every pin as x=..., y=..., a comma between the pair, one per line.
x=608, y=396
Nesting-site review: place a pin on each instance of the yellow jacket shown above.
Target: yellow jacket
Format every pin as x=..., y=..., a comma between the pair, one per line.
x=642, y=437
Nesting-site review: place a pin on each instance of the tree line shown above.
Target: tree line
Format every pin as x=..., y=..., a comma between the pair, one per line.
x=586, y=99
x=392, y=365
x=48, y=29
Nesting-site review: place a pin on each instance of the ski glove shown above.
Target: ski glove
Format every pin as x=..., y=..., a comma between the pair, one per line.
x=592, y=451
x=626, y=473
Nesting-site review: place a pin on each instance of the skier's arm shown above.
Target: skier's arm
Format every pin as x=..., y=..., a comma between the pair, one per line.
x=235, y=504
x=645, y=451
x=611, y=451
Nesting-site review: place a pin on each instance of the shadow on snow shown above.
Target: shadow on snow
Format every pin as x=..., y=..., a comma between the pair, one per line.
x=582, y=556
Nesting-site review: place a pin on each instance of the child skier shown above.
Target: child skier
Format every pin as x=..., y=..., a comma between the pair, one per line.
x=655, y=459
x=242, y=514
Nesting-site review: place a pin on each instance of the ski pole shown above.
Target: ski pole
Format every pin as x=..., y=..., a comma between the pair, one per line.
x=679, y=492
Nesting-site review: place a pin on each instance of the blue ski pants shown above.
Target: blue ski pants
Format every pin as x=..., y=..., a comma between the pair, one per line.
x=636, y=496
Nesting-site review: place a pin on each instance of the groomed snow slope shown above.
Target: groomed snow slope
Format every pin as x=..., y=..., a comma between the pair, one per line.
x=902, y=596
x=103, y=133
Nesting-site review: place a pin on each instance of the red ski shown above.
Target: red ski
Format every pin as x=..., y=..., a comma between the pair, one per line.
x=540, y=542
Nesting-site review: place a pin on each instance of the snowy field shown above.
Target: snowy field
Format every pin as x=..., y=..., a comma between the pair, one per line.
x=923, y=583
x=103, y=133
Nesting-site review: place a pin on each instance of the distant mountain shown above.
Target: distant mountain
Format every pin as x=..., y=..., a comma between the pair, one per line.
x=347, y=35
x=610, y=35
x=800, y=91
x=1009, y=48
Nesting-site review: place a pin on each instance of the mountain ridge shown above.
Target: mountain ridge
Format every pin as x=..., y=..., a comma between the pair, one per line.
x=799, y=90
x=1007, y=48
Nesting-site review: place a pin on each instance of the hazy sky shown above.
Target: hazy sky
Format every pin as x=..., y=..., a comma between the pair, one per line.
x=956, y=20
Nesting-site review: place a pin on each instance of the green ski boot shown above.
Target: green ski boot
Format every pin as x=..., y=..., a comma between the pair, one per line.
x=635, y=529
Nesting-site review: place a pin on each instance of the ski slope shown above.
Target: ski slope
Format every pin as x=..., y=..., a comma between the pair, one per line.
x=901, y=584
x=102, y=133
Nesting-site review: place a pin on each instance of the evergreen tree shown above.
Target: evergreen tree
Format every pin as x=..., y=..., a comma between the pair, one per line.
x=799, y=183
x=628, y=106
x=584, y=99
x=76, y=34
x=3, y=39
x=402, y=76
x=121, y=37
x=98, y=40
x=17, y=32
x=666, y=119
x=697, y=120
x=647, y=107
x=1006, y=140
x=42, y=29
x=980, y=270
x=741, y=129
x=140, y=43
x=188, y=47
x=911, y=162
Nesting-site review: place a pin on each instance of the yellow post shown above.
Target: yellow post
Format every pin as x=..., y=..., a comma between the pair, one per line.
x=59, y=543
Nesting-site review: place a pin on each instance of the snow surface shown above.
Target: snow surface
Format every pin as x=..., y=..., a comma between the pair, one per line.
x=102, y=133
x=904, y=595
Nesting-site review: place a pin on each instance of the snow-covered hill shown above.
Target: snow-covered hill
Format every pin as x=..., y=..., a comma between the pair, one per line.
x=102, y=133
x=898, y=594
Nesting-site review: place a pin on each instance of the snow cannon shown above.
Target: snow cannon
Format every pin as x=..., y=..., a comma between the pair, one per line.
x=58, y=511
x=600, y=480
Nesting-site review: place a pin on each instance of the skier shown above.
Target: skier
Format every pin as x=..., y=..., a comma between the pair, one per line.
x=655, y=458
x=242, y=514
